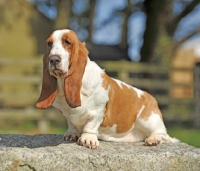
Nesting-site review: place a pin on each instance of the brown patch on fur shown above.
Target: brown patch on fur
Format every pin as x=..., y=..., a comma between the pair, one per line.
x=78, y=58
x=49, y=87
x=50, y=39
x=124, y=105
x=151, y=105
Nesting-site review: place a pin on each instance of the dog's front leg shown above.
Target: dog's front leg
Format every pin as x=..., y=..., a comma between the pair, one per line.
x=90, y=131
x=72, y=133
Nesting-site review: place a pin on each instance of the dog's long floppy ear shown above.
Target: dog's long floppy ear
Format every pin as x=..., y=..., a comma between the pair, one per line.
x=73, y=80
x=49, y=87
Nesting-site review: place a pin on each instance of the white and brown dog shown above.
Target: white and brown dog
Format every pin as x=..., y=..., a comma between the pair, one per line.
x=95, y=105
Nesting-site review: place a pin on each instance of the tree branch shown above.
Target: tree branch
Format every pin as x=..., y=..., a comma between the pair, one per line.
x=184, y=39
x=186, y=11
x=118, y=12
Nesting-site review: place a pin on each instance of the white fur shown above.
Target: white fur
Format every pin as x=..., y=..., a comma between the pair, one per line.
x=139, y=92
x=87, y=118
x=57, y=49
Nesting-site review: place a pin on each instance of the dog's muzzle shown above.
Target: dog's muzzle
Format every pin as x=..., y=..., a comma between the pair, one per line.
x=54, y=60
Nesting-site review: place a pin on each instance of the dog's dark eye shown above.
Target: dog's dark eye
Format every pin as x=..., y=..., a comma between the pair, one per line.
x=50, y=44
x=67, y=42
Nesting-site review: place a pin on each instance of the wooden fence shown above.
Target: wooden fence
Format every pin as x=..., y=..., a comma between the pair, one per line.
x=20, y=83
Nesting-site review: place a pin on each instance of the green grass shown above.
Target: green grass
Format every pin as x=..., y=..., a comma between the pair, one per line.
x=30, y=128
x=189, y=136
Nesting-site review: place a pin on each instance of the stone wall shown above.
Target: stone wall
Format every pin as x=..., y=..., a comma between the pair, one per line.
x=50, y=152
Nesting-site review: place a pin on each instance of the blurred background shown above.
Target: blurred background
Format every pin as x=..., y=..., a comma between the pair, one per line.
x=151, y=44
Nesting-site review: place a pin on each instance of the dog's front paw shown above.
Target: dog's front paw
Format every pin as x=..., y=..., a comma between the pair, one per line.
x=71, y=136
x=89, y=140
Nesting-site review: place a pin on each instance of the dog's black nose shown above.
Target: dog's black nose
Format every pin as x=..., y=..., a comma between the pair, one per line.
x=54, y=59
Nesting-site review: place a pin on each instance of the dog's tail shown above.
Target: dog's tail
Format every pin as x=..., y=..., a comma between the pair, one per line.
x=167, y=139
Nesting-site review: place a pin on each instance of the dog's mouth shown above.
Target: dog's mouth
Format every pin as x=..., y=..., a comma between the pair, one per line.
x=57, y=73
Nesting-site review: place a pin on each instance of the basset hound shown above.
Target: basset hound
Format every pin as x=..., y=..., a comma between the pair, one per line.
x=95, y=105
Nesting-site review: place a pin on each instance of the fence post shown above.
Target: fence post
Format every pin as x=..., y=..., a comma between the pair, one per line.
x=123, y=74
x=44, y=123
x=197, y=95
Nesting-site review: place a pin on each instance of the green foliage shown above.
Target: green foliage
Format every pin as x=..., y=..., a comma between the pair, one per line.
x=164, y=48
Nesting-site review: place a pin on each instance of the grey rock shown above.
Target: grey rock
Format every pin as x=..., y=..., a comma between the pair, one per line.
x=51, y=152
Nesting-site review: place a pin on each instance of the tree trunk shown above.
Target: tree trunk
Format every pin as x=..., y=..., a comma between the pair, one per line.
x=42, y=28
x=161, y=25
x=91, y=16
x=154, y=24
x=64, y=14
x=127, y=13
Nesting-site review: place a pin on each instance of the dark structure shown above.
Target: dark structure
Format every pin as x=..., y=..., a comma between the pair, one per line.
x=107, y=52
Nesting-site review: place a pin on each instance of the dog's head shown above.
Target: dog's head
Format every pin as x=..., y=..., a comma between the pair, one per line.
x=66, y=57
